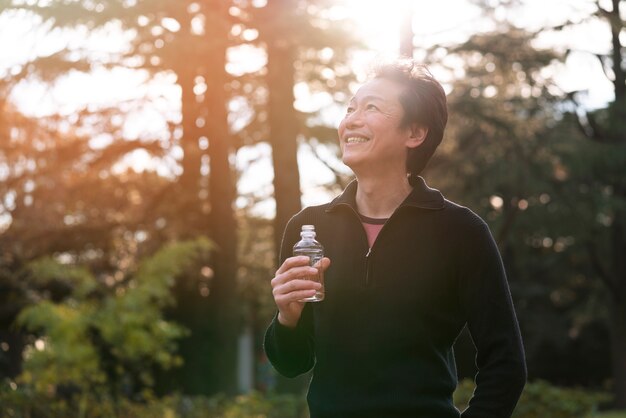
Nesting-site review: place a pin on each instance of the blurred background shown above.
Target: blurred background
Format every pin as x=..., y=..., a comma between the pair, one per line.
x=151, y=152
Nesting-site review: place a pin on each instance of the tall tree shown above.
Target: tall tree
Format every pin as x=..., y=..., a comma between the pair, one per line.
x=222, y=194
x=554, y=202
x=304, y=47
x=278, y=33
x=294, y=34
x=197, y=55
x=606, y=242
x=495, y=159
x=183, y=40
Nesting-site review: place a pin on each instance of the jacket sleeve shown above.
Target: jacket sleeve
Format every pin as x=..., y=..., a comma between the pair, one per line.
x=290, y=350
x=491, y=320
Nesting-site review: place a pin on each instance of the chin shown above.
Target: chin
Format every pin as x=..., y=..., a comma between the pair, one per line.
x=350, y=162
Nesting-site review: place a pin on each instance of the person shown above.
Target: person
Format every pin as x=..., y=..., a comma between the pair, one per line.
x=406, y=270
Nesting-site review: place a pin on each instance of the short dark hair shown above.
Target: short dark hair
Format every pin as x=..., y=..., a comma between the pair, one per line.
x=424, y=102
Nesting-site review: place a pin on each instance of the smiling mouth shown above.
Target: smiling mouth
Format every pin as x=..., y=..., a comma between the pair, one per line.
x=356, y=140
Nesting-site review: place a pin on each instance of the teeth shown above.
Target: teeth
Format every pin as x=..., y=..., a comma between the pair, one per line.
x=355, y=139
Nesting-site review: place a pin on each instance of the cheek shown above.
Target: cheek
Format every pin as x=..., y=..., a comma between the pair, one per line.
x=342, y=127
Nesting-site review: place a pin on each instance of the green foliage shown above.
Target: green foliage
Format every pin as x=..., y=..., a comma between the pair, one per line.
x=614, y=414
x=103, y=341
x=21, y=404
x=541, y=399
x=508, y=139
x=551, y=196
x=64, y=355
x=132, y=323
x=47, y=269
x=260, y=406
x=463, y=393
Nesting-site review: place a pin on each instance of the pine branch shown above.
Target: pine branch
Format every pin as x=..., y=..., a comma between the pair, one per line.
x=602, y=12
x=507, y=225
x=340, y=178
x=596, y=128
x=591, y=130
x=600, y=270
x=601, y=58
x=111, y=154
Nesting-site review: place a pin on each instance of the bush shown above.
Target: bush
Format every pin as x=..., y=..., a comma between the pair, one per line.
x=22, y=404
x=540, y=399
x=101, y=341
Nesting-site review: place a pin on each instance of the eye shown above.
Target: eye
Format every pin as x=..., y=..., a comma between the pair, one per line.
x=350, y=109
x=371, y=107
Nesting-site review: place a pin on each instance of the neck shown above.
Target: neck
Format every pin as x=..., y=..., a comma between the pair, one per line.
x=378, y=197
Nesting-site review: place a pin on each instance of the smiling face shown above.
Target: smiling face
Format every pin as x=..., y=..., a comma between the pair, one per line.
x=371, y=135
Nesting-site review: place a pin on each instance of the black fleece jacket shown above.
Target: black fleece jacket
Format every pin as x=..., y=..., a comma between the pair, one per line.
x=380, y=344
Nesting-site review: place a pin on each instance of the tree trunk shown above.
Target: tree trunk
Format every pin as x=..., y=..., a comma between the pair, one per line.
x=618, y=228
x=190, y=310
x=210, y=351
x=222, y=194
x=283, y=122
x=620, y=76
x=283, y=127
x=618, y=317
x=618, y=348
x=189, y=180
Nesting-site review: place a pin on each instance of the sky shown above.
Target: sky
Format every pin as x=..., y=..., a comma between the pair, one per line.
x=444, y=22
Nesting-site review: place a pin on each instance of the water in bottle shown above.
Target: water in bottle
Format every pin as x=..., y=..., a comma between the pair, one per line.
x=309, y=247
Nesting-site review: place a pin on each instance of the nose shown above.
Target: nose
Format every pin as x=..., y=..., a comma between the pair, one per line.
x=352, y=119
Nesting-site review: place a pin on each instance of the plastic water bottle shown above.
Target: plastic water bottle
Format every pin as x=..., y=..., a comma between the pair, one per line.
x=309, y=247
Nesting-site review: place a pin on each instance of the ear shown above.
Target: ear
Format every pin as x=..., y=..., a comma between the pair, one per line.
x=417, y=135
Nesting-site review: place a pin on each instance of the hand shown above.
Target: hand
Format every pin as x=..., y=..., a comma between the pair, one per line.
x=289, y=285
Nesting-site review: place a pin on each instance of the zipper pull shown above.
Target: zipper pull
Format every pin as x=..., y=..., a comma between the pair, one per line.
x=367, y=267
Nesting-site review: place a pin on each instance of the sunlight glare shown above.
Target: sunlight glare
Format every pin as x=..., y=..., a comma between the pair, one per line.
x=433, y=22
x=376, y=24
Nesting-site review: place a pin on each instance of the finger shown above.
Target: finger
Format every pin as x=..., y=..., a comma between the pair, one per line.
x=294, y=296
x=292, y=262
x=296, y=286
x=293, y=273
x=323, y=264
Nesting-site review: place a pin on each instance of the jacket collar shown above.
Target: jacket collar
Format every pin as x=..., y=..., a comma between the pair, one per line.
x=422, y=197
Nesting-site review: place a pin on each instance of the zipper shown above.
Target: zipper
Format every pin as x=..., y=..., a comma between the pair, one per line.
x=369, y=250
x=368, y=258
x=367, y=266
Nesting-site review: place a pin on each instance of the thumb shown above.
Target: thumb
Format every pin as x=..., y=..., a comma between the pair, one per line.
x=325, y=263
